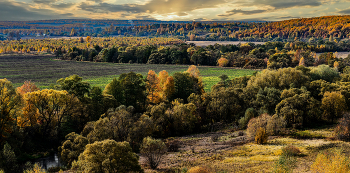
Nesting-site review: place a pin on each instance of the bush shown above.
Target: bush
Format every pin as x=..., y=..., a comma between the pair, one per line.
x=342, y=130
x=153, y=150
x=284, y=164
x=36, y=169
x=333, y=161
x=107, y=156
x=173, y=145
x=215, y=138
x=290, y=150
x=255, y=123
x=261, y=136
x=199, y=169
x=276, y=125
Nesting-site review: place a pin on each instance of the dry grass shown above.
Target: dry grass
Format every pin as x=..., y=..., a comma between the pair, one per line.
x=233, y=153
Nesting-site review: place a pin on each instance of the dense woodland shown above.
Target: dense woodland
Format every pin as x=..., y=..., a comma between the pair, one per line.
x=334, y=27
x=73, y=114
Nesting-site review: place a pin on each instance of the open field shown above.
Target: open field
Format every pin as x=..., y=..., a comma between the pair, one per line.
x=340, y=54
x=207, y=43
x=234, y=153
x=45, y=70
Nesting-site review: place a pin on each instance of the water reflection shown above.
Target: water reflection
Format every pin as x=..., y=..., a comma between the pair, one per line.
x=48, y=162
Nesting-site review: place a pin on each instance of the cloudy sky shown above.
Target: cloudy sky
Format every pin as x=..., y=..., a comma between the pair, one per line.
x=271, y=10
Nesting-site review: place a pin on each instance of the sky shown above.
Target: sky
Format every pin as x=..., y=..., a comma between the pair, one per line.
x=174, y=10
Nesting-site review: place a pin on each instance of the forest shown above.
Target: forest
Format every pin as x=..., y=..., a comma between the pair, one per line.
x=303, y=29
x=138, y=109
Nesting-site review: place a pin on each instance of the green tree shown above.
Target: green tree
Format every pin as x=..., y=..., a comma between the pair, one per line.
x=107, y=156
x=129, y=89
x=298, y=108
x=153, y=150
x=333, y=105
x=9, y=160
x=74, y=85
x=72, y=147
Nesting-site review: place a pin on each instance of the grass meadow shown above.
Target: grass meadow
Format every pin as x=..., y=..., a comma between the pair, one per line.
x=45, y=70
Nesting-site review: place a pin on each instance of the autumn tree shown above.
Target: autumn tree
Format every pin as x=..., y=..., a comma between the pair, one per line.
x=52, y=107
x=223, y=62
x=153, y=88
x=302, y=61
x=169, y=88
x=9, y=103
x=108, y=156
x=333, y=105
x=28, y=118
x=88, y=38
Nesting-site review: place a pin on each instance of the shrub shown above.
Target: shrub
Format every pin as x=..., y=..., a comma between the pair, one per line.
x=153, y=150
x=342, y=130
x=284, y=164
x=291, y=150
x=173, y=145
x=215, y=138
x=261, y=136
x=199, y=169
x=107, y=156
x=333, y=161
x=276, y=125
x=36, y=169
x=255, y=123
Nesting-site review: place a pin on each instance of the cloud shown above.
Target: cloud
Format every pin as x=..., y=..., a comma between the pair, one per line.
x=44, y=1
x=346, y=11
x=153, y=6
x=281, y=4
x=10, y=11
x=243, y=12
x=62, y=5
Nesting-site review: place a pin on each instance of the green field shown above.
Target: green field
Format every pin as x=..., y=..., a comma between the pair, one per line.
x=44, y=71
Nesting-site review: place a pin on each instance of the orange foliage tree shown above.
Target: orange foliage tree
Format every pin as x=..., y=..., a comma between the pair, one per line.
x=28, y=118
x=153, y=88
x=223, y=62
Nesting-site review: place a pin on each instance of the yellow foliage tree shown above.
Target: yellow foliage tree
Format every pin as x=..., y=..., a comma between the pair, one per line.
x=51, y=107
x=302, y=61
x=28, y=117
x=9, y=104
x=194, y=72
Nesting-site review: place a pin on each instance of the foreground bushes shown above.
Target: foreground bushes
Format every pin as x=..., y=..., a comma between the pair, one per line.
x=108, y=156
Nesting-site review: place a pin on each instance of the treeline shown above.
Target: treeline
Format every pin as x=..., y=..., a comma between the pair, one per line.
x=133, y=107
x=272, y=55
x=330, y=27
